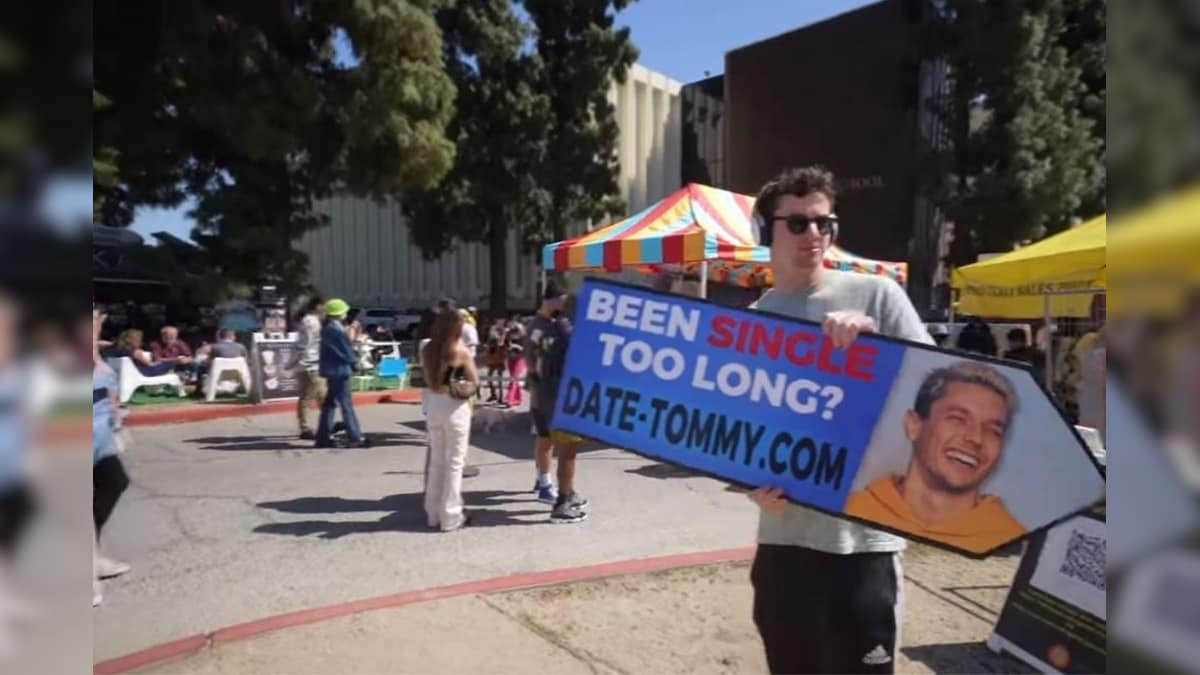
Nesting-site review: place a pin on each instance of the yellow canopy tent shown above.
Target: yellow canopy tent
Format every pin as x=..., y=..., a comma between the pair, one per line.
x=1155, y=255
x=1015, y=285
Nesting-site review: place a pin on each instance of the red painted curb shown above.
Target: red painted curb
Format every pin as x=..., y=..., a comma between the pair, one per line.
x=155, y=654
x=197, y=412
x=189, y=645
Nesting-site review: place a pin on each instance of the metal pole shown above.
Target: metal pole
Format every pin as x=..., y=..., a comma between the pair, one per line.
x=1049, y=342
x=542, y=288
x=704, y=279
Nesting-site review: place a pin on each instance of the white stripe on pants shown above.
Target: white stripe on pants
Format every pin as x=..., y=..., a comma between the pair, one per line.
x=448, y=421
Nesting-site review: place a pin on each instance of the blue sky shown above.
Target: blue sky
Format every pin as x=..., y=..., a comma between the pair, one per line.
x=679, y=38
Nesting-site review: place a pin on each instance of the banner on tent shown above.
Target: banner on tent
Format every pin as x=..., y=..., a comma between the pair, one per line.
x=875, y=433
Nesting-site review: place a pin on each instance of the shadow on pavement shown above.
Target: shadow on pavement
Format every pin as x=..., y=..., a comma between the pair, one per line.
x=275, y=442
x=512, y=439
x=963, y=657
x=662, y=471
x=407, y=513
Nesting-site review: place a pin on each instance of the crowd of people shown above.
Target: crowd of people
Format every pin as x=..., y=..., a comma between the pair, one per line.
x=826, y=589
x=170, y=353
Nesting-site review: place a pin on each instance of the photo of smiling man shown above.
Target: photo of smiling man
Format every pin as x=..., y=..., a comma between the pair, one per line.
x=958, y=427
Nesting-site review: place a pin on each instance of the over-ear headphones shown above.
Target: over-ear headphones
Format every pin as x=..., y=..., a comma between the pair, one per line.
x=764, y=229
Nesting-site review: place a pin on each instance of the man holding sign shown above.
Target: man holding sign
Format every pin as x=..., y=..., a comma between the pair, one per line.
x=827, y=590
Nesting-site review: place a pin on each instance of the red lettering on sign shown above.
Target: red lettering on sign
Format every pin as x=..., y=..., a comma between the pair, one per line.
x=860, y=361
x=801, y=346
x=722, y=336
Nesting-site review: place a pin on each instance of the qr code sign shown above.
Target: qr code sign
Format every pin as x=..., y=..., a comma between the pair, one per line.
x=1085, y=559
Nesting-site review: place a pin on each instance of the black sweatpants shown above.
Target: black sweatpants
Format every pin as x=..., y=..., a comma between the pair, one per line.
x=16, y=510
x=826, y=613
x=109, y=480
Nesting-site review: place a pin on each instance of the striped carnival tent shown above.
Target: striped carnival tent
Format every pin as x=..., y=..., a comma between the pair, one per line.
x=697, y=230
x=696, y=223
x=758, y=274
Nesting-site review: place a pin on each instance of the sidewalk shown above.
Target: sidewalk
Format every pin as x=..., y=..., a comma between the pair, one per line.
x=233, y=525
x=684, y=620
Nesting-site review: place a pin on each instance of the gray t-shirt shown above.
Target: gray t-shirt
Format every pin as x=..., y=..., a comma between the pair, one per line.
x=228, y=350
x=883, y=300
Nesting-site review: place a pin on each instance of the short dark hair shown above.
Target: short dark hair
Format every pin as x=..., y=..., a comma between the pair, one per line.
x=799, y=182
x=1017, y=335
x=967, y=372
x=552, y=291
x=226, y=333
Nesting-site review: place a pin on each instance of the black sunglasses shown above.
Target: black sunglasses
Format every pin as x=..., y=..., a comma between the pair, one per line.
x=798, y=224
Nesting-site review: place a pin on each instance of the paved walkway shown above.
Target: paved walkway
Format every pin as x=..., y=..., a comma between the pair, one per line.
x=682, y=620
x=232, y=523
x=229, y=521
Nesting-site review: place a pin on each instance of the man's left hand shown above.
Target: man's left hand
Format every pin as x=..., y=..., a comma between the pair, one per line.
x=844, y=327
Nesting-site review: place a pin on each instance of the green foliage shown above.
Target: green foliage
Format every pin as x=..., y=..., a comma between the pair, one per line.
x=536, y=132
x=499, y=126
x=1025, y=157
x=1154, y=144
x=583, y=55
x=246, y=107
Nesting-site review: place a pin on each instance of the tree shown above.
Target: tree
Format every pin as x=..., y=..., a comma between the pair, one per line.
x=500, y=126
x=1023, y=159
x=1155, y=142
x=248, y=108
x=583, y=55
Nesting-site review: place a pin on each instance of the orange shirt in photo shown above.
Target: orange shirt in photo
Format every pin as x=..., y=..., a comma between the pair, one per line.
x=981, y=529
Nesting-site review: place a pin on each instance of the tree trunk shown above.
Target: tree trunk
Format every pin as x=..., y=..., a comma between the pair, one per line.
x=557, y=224
x=498, y=251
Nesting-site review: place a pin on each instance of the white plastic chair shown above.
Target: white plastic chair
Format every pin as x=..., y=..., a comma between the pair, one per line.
x=131, y=379
x=219, y=366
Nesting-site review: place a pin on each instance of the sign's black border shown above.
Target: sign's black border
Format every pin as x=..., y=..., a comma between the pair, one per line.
x=1026, y=368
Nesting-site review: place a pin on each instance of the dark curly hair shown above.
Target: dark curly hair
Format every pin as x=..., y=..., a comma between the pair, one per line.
x=800, y=182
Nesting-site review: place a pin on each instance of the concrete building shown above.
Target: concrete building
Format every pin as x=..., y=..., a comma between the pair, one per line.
x=365, y=254
x=848, y=92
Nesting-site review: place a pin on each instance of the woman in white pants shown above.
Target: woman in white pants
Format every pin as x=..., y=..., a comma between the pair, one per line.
x=448, y=419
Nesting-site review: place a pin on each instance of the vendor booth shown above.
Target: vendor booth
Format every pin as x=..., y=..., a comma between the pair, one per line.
x=698, y=230
x=1016, y=285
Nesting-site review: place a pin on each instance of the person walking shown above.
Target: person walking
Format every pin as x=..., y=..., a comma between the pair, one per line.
x=17, y=501
x=495, y=358
x=514, y=345
x=109, y=479
x=547, y=351
x=312, y=385
x=336, y=365
x=452, y=380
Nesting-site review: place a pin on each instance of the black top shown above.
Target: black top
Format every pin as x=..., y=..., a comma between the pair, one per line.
x=454, y=373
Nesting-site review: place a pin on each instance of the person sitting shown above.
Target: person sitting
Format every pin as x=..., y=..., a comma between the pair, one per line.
x=226, y=346
x=380, y=336
x=171, y=348
x=129, y=345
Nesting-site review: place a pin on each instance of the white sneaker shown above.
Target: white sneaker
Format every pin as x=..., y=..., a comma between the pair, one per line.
x=107, y=568
x=97, y=592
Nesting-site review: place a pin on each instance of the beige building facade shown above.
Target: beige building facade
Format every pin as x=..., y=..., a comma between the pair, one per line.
x=366, y=256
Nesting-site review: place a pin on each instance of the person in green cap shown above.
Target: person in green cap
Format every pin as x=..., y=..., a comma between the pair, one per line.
x=336, y=365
